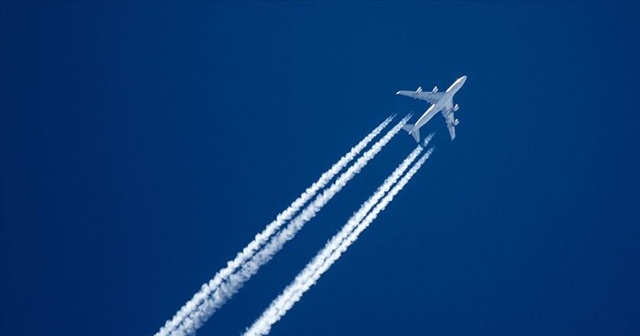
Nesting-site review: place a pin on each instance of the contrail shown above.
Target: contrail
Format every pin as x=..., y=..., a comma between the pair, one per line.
x=337, y=245
x=234, y=282
x=182, y=318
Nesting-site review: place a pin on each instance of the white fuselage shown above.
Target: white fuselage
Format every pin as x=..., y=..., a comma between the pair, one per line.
x=441, y=104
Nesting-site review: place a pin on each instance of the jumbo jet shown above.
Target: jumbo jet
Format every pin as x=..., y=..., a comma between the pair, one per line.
x=442, y=102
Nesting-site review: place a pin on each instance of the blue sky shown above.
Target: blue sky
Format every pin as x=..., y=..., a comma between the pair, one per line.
x=144, y=144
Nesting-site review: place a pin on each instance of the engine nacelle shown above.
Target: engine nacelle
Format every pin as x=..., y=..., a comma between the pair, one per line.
x=456, y=122
x=419, y=89
x=435, y=89
x=456, y=107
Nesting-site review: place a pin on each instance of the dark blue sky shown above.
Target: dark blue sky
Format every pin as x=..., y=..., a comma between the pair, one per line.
x=144, y=144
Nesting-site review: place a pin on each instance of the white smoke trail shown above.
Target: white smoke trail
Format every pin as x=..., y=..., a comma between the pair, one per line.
x=234, y=282
x=182, y=316
x=334, y=248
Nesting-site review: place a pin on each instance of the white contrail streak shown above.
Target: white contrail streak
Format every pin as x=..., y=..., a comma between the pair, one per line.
x=337, y=245
x=226, y=289
x=182, y=318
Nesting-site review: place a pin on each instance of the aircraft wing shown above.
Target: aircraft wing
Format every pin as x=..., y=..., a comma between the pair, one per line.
x=452, y=131
x=431, y=97
x=451, y=122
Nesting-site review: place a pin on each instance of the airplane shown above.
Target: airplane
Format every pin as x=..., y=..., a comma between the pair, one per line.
x=442, y=102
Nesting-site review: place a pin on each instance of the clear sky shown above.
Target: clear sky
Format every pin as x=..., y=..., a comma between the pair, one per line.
x=144, y=144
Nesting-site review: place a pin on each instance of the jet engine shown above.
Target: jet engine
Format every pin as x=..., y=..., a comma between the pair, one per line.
x=456, y=122
x=419, y=89
x=435, y=89
x=456, y=107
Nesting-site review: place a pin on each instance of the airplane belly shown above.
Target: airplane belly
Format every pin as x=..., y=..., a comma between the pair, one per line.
x=427, y=116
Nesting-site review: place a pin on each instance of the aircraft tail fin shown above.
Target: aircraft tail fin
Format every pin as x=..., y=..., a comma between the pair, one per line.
x=414, y=133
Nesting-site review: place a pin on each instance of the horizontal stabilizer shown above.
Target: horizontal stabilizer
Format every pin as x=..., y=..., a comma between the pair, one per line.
x=415, y=133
